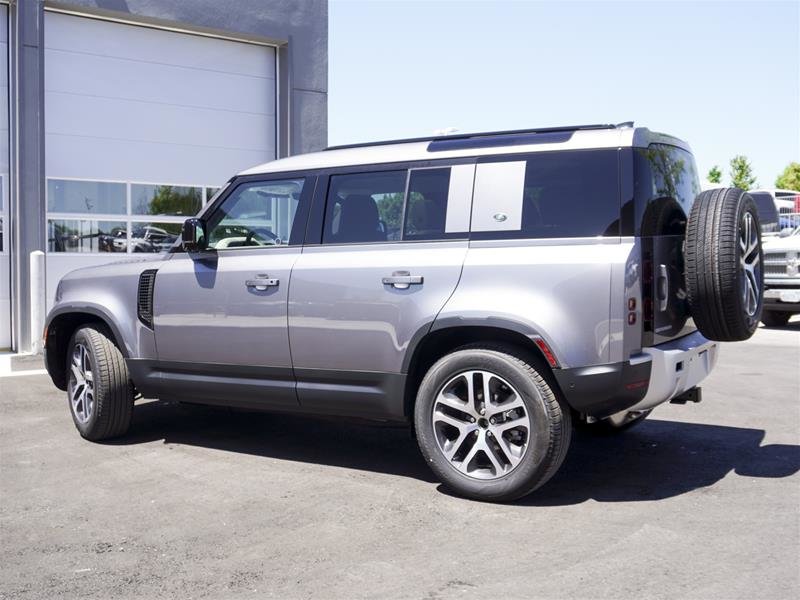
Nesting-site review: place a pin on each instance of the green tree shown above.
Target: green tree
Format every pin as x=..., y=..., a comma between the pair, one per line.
x=169, y=200
x=790, y=178
x=714, y=175
x=742, y=173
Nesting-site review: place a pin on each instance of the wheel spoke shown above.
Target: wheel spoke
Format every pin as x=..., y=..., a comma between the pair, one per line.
x=453, y=402
x=441, y=417
x=499, y=469
x=511, y=424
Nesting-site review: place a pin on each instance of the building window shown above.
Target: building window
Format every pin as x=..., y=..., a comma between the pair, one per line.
x=86, y=197
x=165, y=200
x=101, y=216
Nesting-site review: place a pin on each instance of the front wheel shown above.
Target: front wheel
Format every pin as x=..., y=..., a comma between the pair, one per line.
x=99, y=391
x=489, y=425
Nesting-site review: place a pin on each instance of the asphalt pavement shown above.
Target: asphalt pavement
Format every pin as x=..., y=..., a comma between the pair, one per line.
x=700, y=501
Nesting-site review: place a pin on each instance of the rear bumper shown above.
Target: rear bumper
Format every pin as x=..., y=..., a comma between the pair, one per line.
x=648, y=379
x=677, y=366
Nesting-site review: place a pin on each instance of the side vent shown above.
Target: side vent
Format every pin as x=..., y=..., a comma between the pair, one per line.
x=144, y=302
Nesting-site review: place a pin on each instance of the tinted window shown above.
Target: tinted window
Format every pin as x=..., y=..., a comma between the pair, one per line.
x=256, y=214
x=665, y=188
x=426, y=208
x=564, y=194
x=364, y=207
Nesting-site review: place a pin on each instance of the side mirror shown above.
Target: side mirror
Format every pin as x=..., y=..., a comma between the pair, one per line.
x=193, y=235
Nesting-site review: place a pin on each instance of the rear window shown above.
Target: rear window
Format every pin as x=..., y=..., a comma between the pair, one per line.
x=547, y=195
x=666, y=185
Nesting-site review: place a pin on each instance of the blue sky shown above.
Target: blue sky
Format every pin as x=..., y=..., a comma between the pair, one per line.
x=724, y=76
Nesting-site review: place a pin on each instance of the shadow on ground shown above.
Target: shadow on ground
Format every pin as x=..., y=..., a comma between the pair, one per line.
x=658, y=459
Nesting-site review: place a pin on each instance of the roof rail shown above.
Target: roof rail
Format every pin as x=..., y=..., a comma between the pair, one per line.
x=466, y=136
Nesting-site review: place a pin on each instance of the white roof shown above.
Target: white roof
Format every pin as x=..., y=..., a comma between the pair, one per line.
x=381, y=153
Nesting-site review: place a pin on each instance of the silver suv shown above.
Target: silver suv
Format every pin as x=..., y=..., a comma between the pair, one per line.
x=493, y=290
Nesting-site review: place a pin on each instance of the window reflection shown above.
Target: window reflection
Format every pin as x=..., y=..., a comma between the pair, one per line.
x=88, y=197
x=68, y=235
x=165, y=200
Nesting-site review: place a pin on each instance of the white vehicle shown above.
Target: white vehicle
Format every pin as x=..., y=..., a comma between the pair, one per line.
x=788, y=204
x=781, y=278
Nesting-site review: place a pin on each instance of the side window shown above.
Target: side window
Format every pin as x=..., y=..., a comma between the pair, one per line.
x=364, y=207
x=377, y=207
x=426, y=207
x=256, y=214
x=548, y=195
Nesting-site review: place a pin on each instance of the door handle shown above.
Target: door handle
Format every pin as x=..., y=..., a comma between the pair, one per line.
x=262, y=282
x=663, y=288
x=401, y=280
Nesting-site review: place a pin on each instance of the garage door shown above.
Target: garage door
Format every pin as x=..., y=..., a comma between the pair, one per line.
x=142, y=125
x=5, y=272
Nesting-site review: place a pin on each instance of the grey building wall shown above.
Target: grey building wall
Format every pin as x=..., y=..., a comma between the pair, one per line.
x=298, y=27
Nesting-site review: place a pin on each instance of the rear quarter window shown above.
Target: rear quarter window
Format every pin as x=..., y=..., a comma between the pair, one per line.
x=666, y=184
x=562, y=194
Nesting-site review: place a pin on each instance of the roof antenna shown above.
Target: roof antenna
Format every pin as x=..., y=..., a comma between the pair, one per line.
x=445, y=131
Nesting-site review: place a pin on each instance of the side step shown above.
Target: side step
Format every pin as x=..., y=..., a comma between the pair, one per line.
x=692, y=395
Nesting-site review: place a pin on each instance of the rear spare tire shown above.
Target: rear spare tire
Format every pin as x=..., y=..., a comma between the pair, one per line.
x=724, y=278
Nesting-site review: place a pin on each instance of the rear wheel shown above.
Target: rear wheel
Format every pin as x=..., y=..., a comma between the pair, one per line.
x=774, y=318
x=98, y=388
x=489, y=425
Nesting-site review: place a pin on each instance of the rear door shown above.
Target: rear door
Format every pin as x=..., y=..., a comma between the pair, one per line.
x=666, y=185
x=220, y=315
x=392, y=243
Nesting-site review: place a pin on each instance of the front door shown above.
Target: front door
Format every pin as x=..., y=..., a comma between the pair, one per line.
x=220, y=315
x=393, y=245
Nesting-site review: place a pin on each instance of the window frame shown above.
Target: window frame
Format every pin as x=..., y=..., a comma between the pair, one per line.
x=319, y=206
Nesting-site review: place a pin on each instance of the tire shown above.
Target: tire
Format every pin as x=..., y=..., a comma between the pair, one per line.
x=530, y=454
x=99, y=391
x=725, y=283
x=615, y=424
x=774, y=318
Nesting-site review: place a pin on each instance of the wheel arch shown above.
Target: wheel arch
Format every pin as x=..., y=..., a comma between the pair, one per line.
x=444, y=337
x=61, y=324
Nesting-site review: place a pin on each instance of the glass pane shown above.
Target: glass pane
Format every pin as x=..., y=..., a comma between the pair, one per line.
x=367, y=207
x=256, y=214
x=211, y=192
x=92, y=197
x=84, y=236
x=165, y=200
x=153, y=237
x=426, y=210
x=666, y=186
x=1, y=233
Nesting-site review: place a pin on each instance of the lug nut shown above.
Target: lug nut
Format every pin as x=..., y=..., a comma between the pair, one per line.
x=483, y=411
x=491, y=420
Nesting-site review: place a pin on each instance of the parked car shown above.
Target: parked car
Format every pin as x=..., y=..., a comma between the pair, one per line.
x=146, y=238
x=489, y=289
x=787, y=203
x=781, y=278
x=767, y=212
